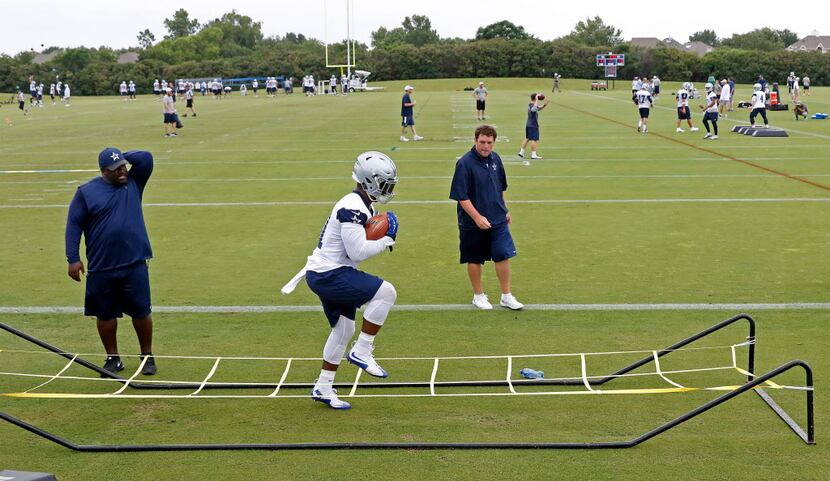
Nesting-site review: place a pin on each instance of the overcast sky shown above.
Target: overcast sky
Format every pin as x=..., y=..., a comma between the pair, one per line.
x=92, y=23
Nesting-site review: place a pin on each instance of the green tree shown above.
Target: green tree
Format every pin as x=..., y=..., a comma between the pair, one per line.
x=146, y=38
x=415, y=30
x=504, y=29
x=709, y=37
x=383, y=38
x=787, y=36
x=765, y=39
x=238, y=29
x=594, y=31
x=180, y=25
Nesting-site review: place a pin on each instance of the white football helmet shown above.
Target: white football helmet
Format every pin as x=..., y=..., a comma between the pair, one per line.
x=709, y=87
x=756, y=87
x=377, y=174
x=687, y=86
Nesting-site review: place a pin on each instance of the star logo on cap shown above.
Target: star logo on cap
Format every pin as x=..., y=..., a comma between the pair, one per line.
x=114, y=156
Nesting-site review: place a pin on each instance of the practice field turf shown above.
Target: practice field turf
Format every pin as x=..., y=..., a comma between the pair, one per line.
x=626, y=242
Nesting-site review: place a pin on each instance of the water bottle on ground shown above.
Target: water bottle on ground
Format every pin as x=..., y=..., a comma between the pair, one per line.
x=529, y=373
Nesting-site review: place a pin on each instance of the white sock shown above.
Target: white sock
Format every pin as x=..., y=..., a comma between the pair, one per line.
x=364, y=342
x=640, y=123
x=326, y=379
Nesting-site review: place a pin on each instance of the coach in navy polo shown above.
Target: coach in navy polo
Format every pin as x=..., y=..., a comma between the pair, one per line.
x=483, y=219
x=107, y=211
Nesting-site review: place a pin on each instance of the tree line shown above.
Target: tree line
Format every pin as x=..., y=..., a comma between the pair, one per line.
x=233, y=46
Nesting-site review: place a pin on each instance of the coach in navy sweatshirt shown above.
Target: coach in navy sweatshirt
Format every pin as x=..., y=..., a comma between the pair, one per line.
x=107, y=211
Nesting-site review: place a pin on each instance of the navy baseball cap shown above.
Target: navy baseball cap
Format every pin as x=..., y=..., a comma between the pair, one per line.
x=111, y=158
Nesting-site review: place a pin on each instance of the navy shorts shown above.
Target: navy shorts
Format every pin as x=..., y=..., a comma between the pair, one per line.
x=685, y=114
x=190, y=103
x=479, y=105
x=479, y=245
x=170, y=118
x=532, y=133
x=407, y=120
x=710, y=116
x=656, y=89
x=342, y=291
x=115, y=292
x=644, y=112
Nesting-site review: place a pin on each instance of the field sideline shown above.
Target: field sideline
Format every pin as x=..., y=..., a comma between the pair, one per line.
x=626, y=242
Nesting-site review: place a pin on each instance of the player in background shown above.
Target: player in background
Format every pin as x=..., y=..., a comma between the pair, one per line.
x=32, y=91
x=643, y=100
x=122, y=90
x=683, y=111
x=255, y=87
x=796, y=91
x=131, y=89
x=557, y=79
x=52, y=93
x=188, y=96
x=710, y=112
x=725, y=97
x=243, y=90
x=344, y=84
x=67, y=93
x=758, y=104
x=635, y=85
x=805, y=82
x=21, y=102
x=156, y=88
x=407, y=114
x=39, y=91
x=480, y=94
x=333, y=84
x=655, y=82
x=331, y=272
x=532, y=128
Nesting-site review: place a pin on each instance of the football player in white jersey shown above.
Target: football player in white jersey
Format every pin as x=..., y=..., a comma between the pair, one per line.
x=643, y=99
x=683, y=111
x=758, y=104
x=122, y=89
x=331, y=273
x=710, y=112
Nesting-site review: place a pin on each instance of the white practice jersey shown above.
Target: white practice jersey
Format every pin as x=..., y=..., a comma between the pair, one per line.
x=712, y=98
x=759, y=100
x=682, y=97
x=643, y=99
x=343, y=239
x=726, y=92
x=122, y=88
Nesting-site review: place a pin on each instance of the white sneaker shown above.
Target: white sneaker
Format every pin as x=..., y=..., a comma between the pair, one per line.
x=535, y=156
x=714, y=137
x=417, y=137
x=678, y=129
x=521, y=154
x=481, y=302
x=509, y=301
x=366, y=361
x=707, y=135
x=329, y=396
x=404, y=139
x=694, y=129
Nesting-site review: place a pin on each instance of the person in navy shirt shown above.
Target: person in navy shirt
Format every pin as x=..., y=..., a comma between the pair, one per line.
x=478, y=186
x=107, y=211
x=532, y=127
x=407, y=116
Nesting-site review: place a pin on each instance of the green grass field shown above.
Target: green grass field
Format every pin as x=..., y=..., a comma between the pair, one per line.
x=609, y=216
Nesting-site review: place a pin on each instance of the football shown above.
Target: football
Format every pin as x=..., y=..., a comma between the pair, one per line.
x=377, y=226
x=540, y=97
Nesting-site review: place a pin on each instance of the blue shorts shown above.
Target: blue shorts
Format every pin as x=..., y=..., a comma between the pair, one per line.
x=478, y=245
x=710, y=116
x=115, y=292
x=407, y=120
x=532, y=133
x=342, y=291
x=644, y=112
x=170, y=118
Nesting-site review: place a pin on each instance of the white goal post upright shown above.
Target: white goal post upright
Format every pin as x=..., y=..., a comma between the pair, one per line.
x=350, y=42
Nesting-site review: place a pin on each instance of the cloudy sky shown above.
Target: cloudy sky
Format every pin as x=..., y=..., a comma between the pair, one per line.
x=93, y=23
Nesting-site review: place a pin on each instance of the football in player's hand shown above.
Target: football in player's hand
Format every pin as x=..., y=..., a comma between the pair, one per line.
x=377, y=226
x=540, y=97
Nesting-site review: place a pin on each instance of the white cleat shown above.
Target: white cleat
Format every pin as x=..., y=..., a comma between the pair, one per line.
x=404, y=139
x=329, y=396
x=714, y=137
x=694, y=129
x=535, y=157
x=417, y=137
x=509, y=301
x=678, y=129
x=707, y=135
x=367, y=363
x=521, y=154
x=481, y=301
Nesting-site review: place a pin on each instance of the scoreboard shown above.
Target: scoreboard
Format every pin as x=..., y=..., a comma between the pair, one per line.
x=610, y=60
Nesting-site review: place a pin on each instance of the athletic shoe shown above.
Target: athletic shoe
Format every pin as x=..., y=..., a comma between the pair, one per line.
x=535, y=156
x=521, y=154
x=173, y=134
x=707, y=135
x=329, y=397
x=714, y=137
x=480, y=300
x=509, y=301
x=417, y=137
x=149, y=368
x=694, y=129
x=367, y=363
x=194, y=114
x=113, y=364
x=678, y=129
x=766, y=126
x=185, y=115
x=404, y=139
x=167, y=135
x=639, y=129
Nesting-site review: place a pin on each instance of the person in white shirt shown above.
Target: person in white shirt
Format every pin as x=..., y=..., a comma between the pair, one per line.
x=331, y=272
x=655, y=82
x=683, y=111
x=122, y=89
x=333, y=84
x=725, y=97
x=66, y=95
x=796, y=91
x=156, y=88
x=758, y=104
x=805, y=82
x=39, y=91
x=480, y=94
x=710, y=112
x=243, y=90
x=643, y=100
x=131, y=89
x=188, y=96
x=255, y=86
x=170, y=118
x=52, y=93
x=344, y=84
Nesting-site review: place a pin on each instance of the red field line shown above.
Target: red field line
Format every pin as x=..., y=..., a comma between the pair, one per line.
x=703, y=149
